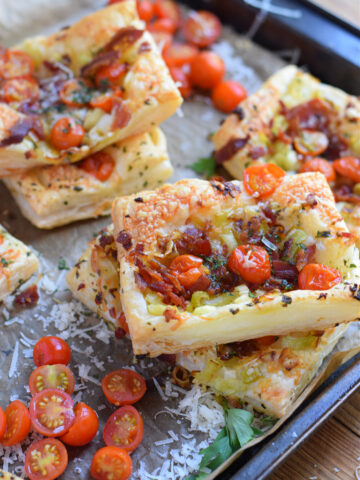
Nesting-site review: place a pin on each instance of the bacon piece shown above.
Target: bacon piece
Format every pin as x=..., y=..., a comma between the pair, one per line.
x=170, y=314
x=230, y=149
x=194, y=242
x=17, y=132
x=106, y=240
x=311, y=115
x=285, y=270
x=123, y=39
x=304, y=257
x=121, y=114
x=103, y=59
x=28, y=297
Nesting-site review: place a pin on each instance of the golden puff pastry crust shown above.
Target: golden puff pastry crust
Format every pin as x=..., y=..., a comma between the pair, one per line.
x=268, y=378
x=17, y=263
x=94, y=280
x=60, y=194
x=8, y=476
x=148, y=97
x=147, y=223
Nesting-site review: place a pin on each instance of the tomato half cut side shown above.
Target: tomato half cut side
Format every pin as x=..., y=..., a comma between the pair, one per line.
x=262, y=180
x=111, y=463
x=251, y=262
x=123, y=387
x=18, y=424
x=309, y=142
x=202, y=28
x=124, y=429
x=15, y=63
x=2, y=422
x=348, y=167
x=315, y=276
x=187, y=269
x=84, y=428
x=321, y=165
x=21, y=89
x=51, y=350
x=51, y=376
x=74, y=93
x=52, y=412
x=46, y=459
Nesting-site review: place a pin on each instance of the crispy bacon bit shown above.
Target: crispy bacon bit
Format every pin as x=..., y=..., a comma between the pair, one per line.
x=98, y=298
x=230, y=149
x=193, y=241
x=81, y=286
x=103, y=59
x=120, y=333
x=121, y=114
x=105, y=240
x=336, y=147
x=124, y=38
x=237, y=349
x=112, y=312
x=285, y=270
x=28, y=297
x=125, y=239
x=269, y=214
x=17, y=132
x=311, y=200
x=226, y=188
x=304, y=257
x=311, y=115
x=288, y=359
x=170, y=314
x=345, y=194
x=257, y=152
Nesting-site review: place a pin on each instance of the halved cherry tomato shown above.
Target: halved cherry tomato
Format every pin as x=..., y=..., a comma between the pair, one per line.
x=100, y=165
x=66, y=133
x=103, y=101
x=321, y=165
x=167, y=9
x=348, y=167
x=145, y=9
x=21, y=89
x=202, y=28
x=74, y=92
x=261, y=180
x=2, y=422
x=84, y=428
x=111, y=463
x=162, y=40
x=315, y=276
x=51, y=376
x=124, y=429
x=52, y=412
x=15, y=63
x=110, y=76
x=227, y=95
x=178, y=54
x=206, y=70
x=46, y=459
x=266, y=341
x=251, y=262
x=50, y=351
x=181, y=77
x=187, y=269
x=165, y=25
x=18, y=424
x=123, y=387
x=309, y=142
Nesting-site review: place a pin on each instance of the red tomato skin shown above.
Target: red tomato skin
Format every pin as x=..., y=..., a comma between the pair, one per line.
x=34, y=380
x=202, y=28
x=38, y=446
x=179, y=54
x=251, y=262
x=348, y=167
x=164, y=25
x=207, y=70
x=51, y=350
x=66, y=133
x=14, y=63
x=110, y=426
x=262, y=180
x=2, y=422
x=85, y=427
x=315, y=276
x=104, y=456
x=187, y=268
x=145, y=9
x=22, y=429
x=179, y=75
x=26, y=88
x=100, y=165
x=321, y=165
x=168, y=9
x=67, y=402
x=125, y=378
x=227, y=95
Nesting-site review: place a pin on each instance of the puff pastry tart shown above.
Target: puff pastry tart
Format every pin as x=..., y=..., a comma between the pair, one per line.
x=205, y=263
x=75, y=92
x=301, y=125
x=17, y=263
x=60, y=194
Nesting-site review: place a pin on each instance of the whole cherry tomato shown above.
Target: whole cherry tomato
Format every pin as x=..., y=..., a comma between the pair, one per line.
x=164, y=25
x=227, y=95
x=51, y=350
x=84, y=428
x=315, y=276
x=261, y=181
x=321, y=165
x=251, y=262
x=100, y=165
x=168, y=9
x=2, y=422
x=187, y=269
x=179, y=54
x=202, y=28
x=66, y=133
x=348, y=167
x=206, y=70
x=145, y=9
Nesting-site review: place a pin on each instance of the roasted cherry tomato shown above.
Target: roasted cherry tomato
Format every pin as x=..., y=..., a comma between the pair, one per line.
x=251, y=262
x=182, y=78
x=74, y=92
x=66, y=133
x=162, y=40
x=178, y=54
x=315, y=276
x=14, y=63
x=309, y=142
x=52, y=412
x=266, y=341
x=104, y=101
x=202, y=28
x=125, y=429
x=123, y=323
x=100, y=165
x=145, y=9
x=18, y=424
x=348, y=167
x=167, y=9
x=46, y=459
x=261, y=180
x=206, y=70
x=321, y=165
x=123, y=387
x=165, y=25
x=51, y=376
x=111, y=463
x=110, y=76
x=187, y=269
x=2, y=422
x=21, y=89
x=227, y=95
x=50, y=351
x=84, y=428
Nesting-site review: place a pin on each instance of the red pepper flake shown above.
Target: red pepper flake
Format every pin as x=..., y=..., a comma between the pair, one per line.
x=120, y=333
x=28, y=297
x=125, y=239
x=81, y=286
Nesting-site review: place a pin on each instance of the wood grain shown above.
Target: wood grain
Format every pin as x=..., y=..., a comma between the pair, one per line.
x=349, y=414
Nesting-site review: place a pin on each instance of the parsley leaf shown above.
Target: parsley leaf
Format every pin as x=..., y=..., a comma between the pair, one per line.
x=62, y=265
x=323, y=234
x=238, y=424
x=204, y=166
x=215, y=454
